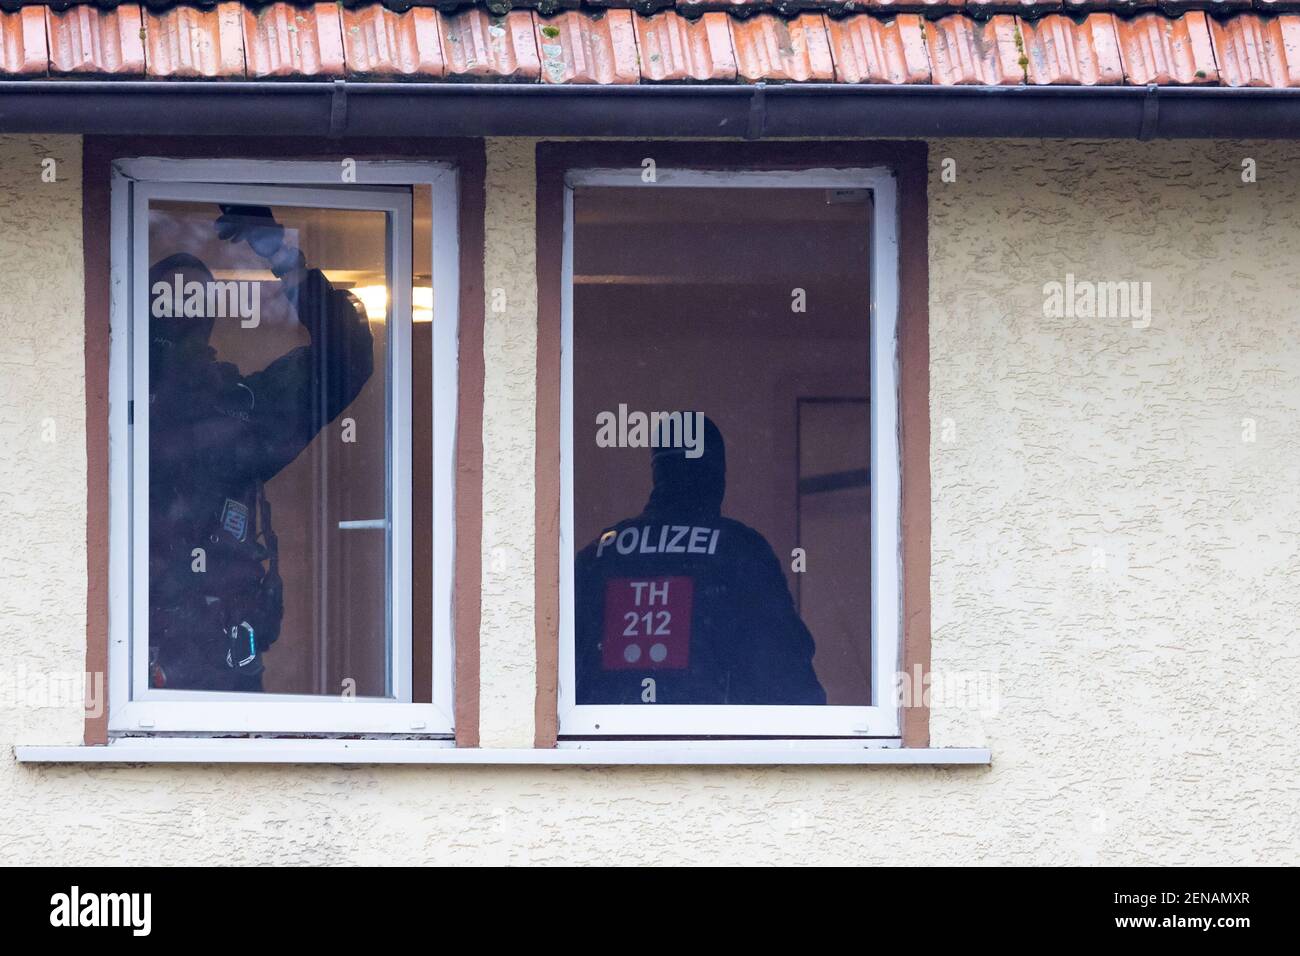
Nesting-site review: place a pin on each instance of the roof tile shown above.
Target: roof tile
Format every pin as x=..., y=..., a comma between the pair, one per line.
x=965, y=52
x=379, y=42
x=185, y=42
x=1257, y=51
x=770, y=48
x=671, y=47
x=89, y=40
x=867, y=50
x=1065, y=51
x=22, y=43
x=480, y=46
x=283, y=41
x=995, y=42
x=580, y=49
x=1166, y=51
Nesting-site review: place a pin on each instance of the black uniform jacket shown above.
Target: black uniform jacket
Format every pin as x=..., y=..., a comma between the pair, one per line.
x=215, y=437
x=683, y=606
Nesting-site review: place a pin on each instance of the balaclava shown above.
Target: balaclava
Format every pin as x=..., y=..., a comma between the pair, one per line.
x=690, y=486
x=179, y=330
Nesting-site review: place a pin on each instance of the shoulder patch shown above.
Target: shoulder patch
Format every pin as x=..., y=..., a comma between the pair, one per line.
x=234, y=519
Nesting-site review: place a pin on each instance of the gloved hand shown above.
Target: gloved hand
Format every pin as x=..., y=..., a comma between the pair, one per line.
x=252, y=224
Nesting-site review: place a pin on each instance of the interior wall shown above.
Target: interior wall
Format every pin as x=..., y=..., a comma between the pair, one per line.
x=1112, y=558
x=749, y=385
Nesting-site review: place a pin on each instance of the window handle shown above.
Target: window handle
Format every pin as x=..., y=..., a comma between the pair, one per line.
x=365, y=524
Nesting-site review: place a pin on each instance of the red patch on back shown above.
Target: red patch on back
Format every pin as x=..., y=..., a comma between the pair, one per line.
x=647, y=623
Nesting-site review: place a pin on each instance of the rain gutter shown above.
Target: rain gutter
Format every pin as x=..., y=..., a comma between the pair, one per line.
x=352, y=108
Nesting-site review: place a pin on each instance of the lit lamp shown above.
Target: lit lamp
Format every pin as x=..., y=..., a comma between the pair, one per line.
x=374, y=298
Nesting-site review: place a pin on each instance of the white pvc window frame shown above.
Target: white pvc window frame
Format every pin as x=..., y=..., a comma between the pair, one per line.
x=881, y=720
x=135, y=708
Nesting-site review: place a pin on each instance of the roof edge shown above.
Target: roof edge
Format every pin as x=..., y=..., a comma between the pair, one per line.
x=345, y=108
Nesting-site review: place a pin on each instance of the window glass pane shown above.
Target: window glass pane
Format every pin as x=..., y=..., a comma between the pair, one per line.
x=731, y=564
x=268, y=449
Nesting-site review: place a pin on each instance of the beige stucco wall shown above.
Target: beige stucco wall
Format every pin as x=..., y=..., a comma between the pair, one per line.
x=42, y=440
x=1107, y=547
x=507, y=664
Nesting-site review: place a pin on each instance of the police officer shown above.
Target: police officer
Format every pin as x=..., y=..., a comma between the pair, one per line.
x=680, y=605
x=215, y=438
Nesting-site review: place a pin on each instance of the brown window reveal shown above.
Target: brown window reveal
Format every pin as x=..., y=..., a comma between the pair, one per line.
x=468, y=157
x=908, y=160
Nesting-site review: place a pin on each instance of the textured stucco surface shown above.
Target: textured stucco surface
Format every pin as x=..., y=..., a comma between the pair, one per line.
x=508, y=665
x=42, y=435
x=1107, y=547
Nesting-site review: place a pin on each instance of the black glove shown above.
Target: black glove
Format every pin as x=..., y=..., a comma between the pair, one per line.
x=254, y=225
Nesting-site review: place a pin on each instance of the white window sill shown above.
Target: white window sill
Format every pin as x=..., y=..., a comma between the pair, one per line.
x=758, y=753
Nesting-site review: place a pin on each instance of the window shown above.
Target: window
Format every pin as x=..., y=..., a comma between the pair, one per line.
x=730, y=469
x=282, y=416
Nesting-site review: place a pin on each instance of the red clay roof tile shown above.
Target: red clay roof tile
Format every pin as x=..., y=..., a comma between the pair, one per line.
x=480, y=46
x=89, y=40
x=185, y=42
x=966, y=52
x=22, y=43
x=1065, y=51
x=378, y=42
x=286, y=41
x=867, y=50
x=944, y=42
x=581, y=49
x=1254, y=51
x=774, y=49
x=1167, y=51
x=671, y=47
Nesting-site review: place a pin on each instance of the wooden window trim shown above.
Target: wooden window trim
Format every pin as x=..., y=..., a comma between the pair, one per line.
x=909, y=161
x=468, y=156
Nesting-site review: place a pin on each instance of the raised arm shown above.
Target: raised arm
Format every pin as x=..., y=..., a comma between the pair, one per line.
x=300, y=393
